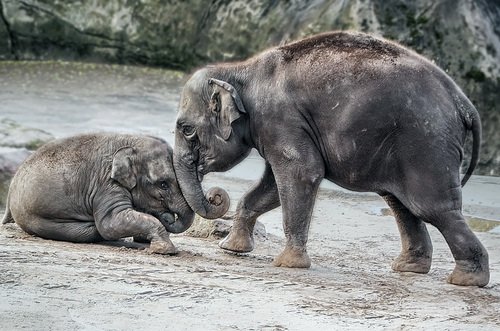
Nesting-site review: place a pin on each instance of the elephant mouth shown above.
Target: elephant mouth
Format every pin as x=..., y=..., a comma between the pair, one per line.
x=204, y=166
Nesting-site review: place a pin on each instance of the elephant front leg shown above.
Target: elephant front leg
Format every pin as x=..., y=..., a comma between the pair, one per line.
x=298, y=186
x=131, y=223
x=261, y=197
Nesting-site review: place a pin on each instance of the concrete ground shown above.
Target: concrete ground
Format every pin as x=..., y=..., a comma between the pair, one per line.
x=49, y=285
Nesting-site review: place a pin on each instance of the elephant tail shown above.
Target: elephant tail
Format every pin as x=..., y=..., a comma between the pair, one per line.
x=7, y=217
x=474, y=124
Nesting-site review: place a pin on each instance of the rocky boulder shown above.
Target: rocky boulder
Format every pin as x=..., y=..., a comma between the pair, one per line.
x=218, y=228
x=15, y=135
x=10, y=159
x=16, y=141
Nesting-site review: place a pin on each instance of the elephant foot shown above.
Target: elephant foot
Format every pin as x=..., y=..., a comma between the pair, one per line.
x=238, y=241
x=162, y=247
x=468, y=274
x=407, y=263
x=293, y=258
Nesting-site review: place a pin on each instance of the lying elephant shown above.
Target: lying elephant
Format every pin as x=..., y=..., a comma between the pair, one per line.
x=98, y=187
x=364, y=113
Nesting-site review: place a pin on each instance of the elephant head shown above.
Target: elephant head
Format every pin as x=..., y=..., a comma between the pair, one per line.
x=210, y=135
x=147, y=173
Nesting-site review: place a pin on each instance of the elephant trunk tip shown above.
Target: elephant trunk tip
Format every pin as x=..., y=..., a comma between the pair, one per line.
x=217, y=196
x=219, y=203
x=176, y=223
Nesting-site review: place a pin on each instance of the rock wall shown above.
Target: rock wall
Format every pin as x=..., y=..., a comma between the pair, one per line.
x=461, y=36
x=5, y=51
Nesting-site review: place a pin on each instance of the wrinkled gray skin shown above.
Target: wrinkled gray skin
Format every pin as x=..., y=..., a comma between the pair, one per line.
x=96, y=187
x=364, y=113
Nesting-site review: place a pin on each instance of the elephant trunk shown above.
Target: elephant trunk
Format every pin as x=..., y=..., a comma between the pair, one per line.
x=212, y=205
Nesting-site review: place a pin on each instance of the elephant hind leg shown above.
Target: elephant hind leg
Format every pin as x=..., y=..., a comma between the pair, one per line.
x=471, y=258
x=433, y=201
x=63, y=230
x=416, y=245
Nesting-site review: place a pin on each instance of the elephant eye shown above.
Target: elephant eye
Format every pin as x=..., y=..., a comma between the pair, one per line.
x=163, y=185
x=188, y=130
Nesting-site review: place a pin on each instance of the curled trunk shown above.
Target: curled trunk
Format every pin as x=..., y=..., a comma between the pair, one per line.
x=178, y=223
x=212, y=205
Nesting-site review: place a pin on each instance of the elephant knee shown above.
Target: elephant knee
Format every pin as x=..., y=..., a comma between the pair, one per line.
x=310, y=182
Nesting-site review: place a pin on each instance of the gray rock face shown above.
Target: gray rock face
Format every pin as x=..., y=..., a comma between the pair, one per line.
x=187, y=33
x=461, y=36
x=5, y=52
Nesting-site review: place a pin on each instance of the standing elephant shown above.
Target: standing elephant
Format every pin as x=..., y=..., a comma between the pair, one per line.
x=364, y=113
x=98, y=187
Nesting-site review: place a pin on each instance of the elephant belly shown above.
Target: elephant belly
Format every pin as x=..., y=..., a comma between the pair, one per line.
x=357, y=175
x=362, y=161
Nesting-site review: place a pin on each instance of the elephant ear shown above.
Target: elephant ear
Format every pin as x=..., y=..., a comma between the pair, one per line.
x=226, y=105
x=122, y=169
